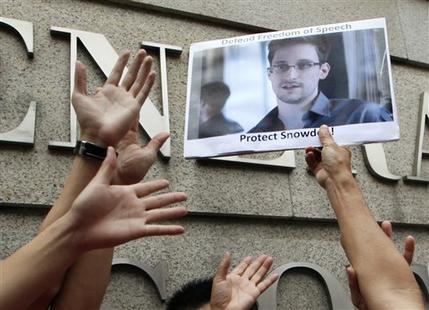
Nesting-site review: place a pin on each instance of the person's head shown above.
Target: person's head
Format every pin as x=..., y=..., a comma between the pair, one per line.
x=195, y=295
x=296, y=66
x=213, y=97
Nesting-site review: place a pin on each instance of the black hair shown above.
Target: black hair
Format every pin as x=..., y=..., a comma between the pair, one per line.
x=215, y=92
x=321, y=43
x=191, y=296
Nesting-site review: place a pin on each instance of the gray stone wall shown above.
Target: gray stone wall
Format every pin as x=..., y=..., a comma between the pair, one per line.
x=288, y=217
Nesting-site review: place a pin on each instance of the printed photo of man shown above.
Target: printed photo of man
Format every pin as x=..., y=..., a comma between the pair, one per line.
x=296, y=66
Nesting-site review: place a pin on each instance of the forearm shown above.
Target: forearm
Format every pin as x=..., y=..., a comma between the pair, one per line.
x=95, y=265
x=378, y=264
x=32, y=269
x=86, y=281
x=361, y=237
x=82, y=171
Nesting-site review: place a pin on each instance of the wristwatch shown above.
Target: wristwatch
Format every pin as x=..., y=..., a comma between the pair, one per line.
x=85, y=148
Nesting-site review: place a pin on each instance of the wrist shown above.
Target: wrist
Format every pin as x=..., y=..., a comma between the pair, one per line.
x=73, y=231
x=88, y=149
x=341, y=180
x=95, y=139
x=66, y=231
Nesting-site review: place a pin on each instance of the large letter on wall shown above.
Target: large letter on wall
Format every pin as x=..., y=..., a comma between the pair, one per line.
x=149, y=110
x=24, y=133
x=105, y=57
x=285, y=160
x=375, y=161
x=421, y=152
x=339, y=298
x=421, y=273
x=158, y=275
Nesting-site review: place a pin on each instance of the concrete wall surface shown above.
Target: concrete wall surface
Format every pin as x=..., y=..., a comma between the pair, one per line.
x=246, y=209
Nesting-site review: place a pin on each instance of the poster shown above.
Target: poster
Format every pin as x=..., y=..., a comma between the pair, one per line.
x=272, y=91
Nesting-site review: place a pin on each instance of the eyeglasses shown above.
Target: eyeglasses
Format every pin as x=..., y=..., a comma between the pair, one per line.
x=300, y=66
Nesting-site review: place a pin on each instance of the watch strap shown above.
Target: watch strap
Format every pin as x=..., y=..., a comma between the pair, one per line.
x=85, y=148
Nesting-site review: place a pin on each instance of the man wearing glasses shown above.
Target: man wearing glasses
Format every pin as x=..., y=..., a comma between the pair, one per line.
x=296, y=66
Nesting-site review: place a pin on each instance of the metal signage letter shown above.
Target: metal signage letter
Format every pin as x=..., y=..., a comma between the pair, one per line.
x=24, y=133
x=105, y=57
x=420, y=151
x=158, y=275
x=149, y=110
x=375, y=161
x=285, y=160
x=338, y=297
x=421, y=273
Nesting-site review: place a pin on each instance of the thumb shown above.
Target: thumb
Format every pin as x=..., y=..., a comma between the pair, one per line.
x=157, y=142
x=107, y=170
x=325, y=136
x=222, y=270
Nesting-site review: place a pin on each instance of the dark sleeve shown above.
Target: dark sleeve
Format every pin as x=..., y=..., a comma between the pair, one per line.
x=373, y=112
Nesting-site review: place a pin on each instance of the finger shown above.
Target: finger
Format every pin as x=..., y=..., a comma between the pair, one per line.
x=98, y=89
x=118, y=69
x=309, y=149
x=159, y=215
x=263, y=270
x=144, y=92
x=157, y=142
x=312, y=160
x=325, y=136
x=222, y=269
x=163, y=200
x=242, y=266
x=160, y=230
x=386, y=226
x=353, y=285
x=131, y=75
x=147, y=188
x=254, y=266
x=144, y=70
x=107, y=169
x=80, y=85
x=410, y=245
x=270, y=280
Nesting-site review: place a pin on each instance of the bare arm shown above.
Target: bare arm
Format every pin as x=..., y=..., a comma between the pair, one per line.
x=102, y=216
x=384, y=277
x=356, y=295
x=110, y=117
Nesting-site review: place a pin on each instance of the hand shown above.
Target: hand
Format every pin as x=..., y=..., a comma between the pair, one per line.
x=357, y=298
x=333, y=163
x=240, y=289
x=108, y=115
x=105, y=215
x=134, y=161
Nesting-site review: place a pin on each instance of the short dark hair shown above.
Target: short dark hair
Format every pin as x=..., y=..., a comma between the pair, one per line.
x=191, y=296
x=216, y=91
x=320, y=42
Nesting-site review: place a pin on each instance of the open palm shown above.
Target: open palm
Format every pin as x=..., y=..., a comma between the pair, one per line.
x=108, y=215
x=107, y=116
x=240, y=289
